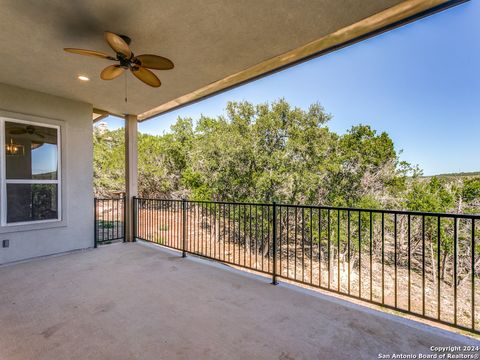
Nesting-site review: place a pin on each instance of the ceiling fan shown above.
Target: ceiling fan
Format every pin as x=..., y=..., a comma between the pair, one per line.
x=138, y=65
x=29, y=129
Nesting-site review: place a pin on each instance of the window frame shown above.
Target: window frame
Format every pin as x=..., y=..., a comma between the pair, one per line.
x=4, y=181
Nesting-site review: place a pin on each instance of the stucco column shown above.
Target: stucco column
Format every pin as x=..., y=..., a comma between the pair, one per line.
x=131, y=171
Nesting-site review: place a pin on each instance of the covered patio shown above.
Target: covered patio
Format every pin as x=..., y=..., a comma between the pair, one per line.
x=63, y=299
x=136, y=301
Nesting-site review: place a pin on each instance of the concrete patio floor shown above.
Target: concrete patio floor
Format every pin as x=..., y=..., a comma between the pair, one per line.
x=130, y=301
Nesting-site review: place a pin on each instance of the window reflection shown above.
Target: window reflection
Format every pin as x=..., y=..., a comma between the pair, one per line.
x=31, y=151
x=31, y=202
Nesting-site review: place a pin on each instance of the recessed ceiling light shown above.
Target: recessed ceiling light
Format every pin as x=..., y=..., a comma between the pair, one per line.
x=83, y=78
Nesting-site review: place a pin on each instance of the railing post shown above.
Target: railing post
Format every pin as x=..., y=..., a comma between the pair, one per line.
x=184, y=227
x=95, y=225
x=134, y=218
x=274, y=234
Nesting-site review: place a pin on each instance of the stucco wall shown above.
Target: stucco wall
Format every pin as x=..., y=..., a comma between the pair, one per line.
x=75, y=230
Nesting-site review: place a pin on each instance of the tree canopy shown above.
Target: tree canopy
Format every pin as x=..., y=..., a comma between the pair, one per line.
x=276, y=152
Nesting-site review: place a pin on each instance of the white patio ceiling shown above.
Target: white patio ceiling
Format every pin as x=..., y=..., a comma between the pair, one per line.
x=214, y=44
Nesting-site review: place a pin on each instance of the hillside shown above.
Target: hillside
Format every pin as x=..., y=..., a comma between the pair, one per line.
x=455, y=175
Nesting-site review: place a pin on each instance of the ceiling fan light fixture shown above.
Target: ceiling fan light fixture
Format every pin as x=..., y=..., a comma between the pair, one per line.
x=138, y=65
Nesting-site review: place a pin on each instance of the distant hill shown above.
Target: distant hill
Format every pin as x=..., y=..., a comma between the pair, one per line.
x=455, y=175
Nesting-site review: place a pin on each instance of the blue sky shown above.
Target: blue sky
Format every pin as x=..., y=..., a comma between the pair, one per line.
x=420, y=83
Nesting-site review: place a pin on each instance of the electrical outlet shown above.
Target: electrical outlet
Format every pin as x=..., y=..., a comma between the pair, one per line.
x=5, y=243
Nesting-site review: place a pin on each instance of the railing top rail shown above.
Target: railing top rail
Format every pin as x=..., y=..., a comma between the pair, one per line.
x=334, y=208
x=387, y=211
x=209, y=202
x=112, y=198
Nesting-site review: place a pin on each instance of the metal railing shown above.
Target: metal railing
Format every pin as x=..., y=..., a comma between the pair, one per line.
x=425, y=264
x=109, y=220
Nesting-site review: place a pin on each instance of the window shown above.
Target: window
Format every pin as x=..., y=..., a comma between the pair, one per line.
x=30, y=174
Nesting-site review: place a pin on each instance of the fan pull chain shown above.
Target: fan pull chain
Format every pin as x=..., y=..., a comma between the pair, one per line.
x=126, y=99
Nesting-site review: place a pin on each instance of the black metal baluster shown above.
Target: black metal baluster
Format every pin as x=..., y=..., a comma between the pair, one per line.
x=455, y=260
x=204, y=232
x=166, y=215
x=348, y=251
x=239, y=247
x=328, y=245
x=288, y=241
x=230, y=232
x=142, y=209
x=184, y=228
x=146, y=220
x=207, y=229
x=319, y=247
x=371, y=256
x=217, y=218
x=199, y=228
x=102, y=221
x=281, y=239
x=224, y=229
x=311, y=246
x=115, y=223
x=198, y=245
x=395, y=254
x=250, y=236
x=135, y=219
x=274, y=246
x=172, y=220
x=438, y=267
x=107, y=227
x=245, y=235
x=168, y=241
x=124, y=218
x=256, y=237
x=209, y=217
x=295, y=244
x=303, y=244
x=165, y=205
x=339, y=287
x=153, y=205
x=106, y=221
x=179, y=221
x=139, y=217
x=383, y=258
x=110, y=219
x=177, y=226
x=409, y=260
x=203, y=223
x=152, y=222
x=423, y=265
x=268, y=238
x=338, y=252
x=262, y=234
x=95, y=223
x=359, y=254
x=153, y=216
x=234, y=234
x=156, y=222
x=473, y=274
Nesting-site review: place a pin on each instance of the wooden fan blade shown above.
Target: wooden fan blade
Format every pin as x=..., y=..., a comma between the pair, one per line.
x=111, y=72
x=154, y=62
x=146, y=76
x=118, y=44
x=89, y=53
